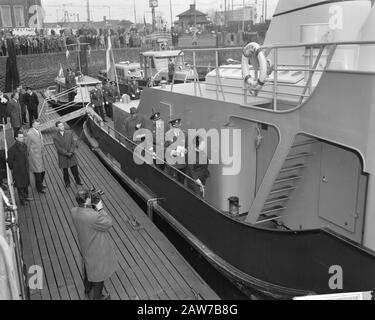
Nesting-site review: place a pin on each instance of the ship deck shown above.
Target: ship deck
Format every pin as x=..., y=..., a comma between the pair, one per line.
x=150, y=268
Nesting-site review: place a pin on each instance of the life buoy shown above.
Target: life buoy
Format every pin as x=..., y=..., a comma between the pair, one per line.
x=252, y=52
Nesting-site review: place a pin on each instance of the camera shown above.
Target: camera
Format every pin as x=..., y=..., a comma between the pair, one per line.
x=96, y=198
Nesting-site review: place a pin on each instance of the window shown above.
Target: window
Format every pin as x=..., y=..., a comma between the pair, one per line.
x=19, y=16
x=6, y=17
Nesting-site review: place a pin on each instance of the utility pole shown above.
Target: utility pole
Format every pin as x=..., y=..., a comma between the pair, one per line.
x=153, y=19
x=265, y=11
x=243, y=16
x=170, y=9
x=88, y=10
x=135, y=13
x=225, y=12
x=195, y=13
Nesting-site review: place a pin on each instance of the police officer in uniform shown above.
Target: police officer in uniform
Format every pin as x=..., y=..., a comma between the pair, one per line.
x=179, y=153
x=70, y=82
x=110, y=95
x=133, y=89
x=158, y=134
x=199, y=170
x=133, y=124
x=97, y=101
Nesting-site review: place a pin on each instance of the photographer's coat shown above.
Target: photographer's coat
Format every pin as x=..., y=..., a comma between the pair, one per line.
x=95, y=242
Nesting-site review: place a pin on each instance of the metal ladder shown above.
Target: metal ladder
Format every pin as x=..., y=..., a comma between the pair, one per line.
x=287, y=182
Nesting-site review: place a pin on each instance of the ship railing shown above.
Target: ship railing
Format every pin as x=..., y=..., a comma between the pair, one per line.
x=62, y=107
x=314, y=51
x=10, y=232
x=153, y=78
x=130, y=145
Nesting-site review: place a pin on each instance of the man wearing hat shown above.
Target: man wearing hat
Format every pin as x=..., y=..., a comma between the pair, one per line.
x=177, y=155
x=97, y=100
x=32, y=102
x=133, y=89
x=110, y=94
x=70, y=82
x=133, y=124
x=158, y=133
x=198, y=171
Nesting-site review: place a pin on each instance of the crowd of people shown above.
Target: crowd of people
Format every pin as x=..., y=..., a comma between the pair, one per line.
x=60, y=42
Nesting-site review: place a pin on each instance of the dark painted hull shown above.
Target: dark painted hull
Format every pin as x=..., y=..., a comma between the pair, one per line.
x=58, y=106
x=278, y=264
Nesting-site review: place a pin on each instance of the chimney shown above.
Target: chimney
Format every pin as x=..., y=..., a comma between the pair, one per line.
x=192, y=6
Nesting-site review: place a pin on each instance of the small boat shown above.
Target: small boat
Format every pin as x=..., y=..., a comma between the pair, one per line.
x=155, y=66
x=58, y=94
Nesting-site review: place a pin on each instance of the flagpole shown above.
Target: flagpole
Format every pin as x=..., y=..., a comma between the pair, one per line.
x=114, y=67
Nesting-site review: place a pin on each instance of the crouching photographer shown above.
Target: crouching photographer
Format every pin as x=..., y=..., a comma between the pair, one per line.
x=92, y=224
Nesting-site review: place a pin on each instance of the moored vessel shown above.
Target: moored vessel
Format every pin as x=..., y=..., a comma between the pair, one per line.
x=305, y=171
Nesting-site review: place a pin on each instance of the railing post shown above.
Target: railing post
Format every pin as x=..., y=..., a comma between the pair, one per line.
x=2, y=219
x=311, y=67
x=217, y=73
x=195, y=80
x=275, y=80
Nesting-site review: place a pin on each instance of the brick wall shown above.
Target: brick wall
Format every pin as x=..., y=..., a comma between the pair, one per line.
x=40, y=70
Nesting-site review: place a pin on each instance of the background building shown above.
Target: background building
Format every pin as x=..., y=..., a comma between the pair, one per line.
x=192, y=17
x=237, y=18
x=21, y=14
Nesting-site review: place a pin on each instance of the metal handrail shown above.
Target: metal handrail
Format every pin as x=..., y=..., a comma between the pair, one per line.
x=14, y=219
x=311, y=68
x=95, y=117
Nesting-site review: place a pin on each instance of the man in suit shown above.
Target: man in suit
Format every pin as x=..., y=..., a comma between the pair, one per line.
x=18, y=163
x=97, y=100
x=66, y=146
x=198, y=171
x=15, y=113
x=35, y=148
x=97, y=249
x=3, y=108
x=22, y=93
x=32, y=103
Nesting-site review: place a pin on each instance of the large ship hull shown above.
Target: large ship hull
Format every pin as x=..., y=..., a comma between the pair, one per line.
x=275, y=263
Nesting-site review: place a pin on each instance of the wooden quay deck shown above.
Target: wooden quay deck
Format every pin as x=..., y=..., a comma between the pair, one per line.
x=149, y=267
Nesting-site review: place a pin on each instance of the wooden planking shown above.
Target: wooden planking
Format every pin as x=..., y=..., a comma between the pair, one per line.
x=149, y=266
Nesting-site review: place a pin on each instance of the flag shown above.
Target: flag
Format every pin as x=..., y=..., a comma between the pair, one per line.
x=61, y=72
x=110, y=68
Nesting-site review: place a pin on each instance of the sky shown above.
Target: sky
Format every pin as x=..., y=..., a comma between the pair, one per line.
x=124, y=9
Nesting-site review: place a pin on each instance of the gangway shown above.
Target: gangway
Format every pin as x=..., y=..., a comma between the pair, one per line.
x=51, y=120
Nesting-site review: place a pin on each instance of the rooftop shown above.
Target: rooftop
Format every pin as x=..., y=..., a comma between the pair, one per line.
x=192, y=12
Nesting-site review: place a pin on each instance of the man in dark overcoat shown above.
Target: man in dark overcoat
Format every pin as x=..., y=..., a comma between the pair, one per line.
x=66, y=147
x=15, y=113
x=19, y=164
x=4, y=99
x=32, y=102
